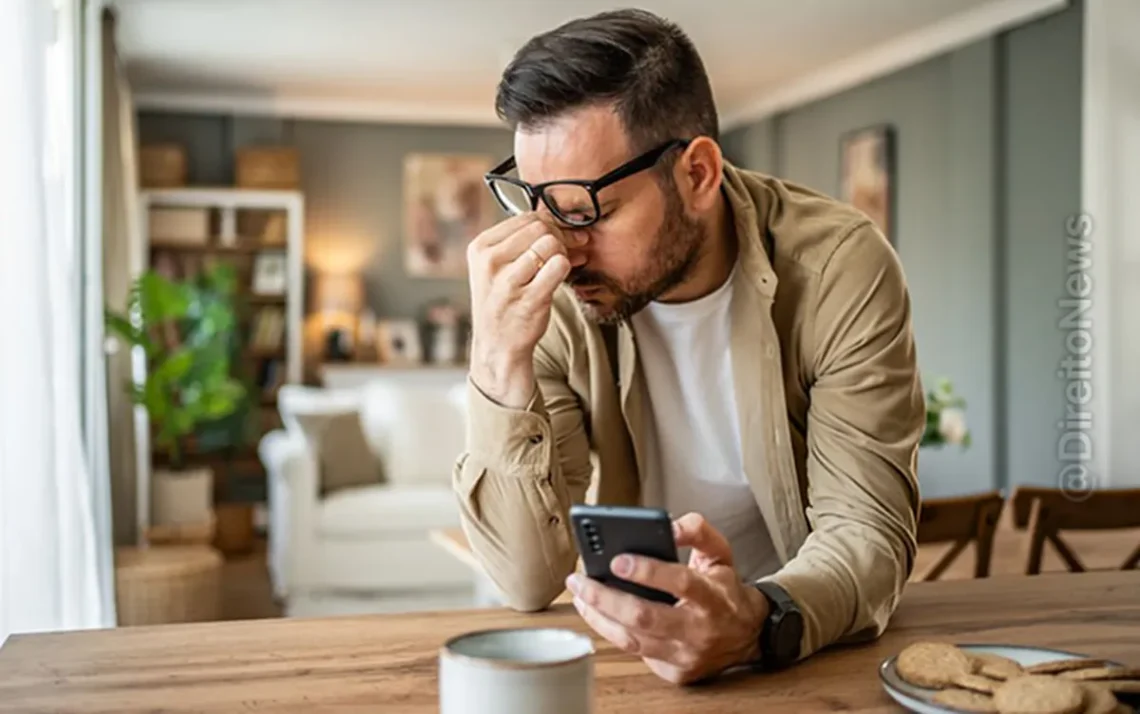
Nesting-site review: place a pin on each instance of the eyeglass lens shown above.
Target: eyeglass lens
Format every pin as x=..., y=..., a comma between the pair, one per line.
x=514, y=198
x=570, y=203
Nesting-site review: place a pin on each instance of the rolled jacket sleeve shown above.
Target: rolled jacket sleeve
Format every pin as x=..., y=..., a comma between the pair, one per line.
x=864, y=424
x=521, y=471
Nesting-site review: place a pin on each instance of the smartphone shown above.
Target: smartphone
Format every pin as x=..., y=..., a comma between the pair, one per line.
x=603, y=532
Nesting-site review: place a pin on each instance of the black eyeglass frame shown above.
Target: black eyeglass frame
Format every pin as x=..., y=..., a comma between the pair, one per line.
x=537, y=192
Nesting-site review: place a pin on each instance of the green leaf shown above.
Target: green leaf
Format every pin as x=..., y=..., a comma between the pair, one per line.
x=188, y=330
x=224, y=400
x=175, y=366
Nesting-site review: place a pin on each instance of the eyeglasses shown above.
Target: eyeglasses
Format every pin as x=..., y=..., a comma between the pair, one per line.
x=574, y=202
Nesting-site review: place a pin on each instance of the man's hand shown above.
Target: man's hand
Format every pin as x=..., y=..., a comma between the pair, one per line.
x=515, y=268
x=714, y=625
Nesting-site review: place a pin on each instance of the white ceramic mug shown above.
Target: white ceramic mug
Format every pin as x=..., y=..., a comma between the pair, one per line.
x=517, y=671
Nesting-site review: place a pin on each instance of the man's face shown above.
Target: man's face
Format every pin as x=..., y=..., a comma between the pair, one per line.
x=643, y=244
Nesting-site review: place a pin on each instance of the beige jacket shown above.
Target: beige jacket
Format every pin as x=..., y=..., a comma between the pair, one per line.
x=829, y=400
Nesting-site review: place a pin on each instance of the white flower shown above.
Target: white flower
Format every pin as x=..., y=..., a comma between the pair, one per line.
x=952, y=425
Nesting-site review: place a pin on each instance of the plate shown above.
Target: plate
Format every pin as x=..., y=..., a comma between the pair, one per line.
x=918, y=699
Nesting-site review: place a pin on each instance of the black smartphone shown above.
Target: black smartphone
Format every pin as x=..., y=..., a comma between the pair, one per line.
x=603, y=532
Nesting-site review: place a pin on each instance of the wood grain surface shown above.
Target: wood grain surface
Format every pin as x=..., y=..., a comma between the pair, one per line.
x=389, y=663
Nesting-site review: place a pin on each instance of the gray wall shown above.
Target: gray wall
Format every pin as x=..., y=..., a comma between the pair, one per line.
x=352, y=179
x=755, y=146
x=1042, y=159
x=987, y=170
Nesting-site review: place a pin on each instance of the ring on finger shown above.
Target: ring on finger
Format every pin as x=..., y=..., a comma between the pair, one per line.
x=537, y=257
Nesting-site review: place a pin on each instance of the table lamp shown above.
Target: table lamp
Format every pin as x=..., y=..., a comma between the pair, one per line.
x=339, y=299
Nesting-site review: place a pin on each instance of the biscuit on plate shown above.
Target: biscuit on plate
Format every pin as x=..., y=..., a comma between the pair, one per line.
x=1038, y=694
x=1124, y=686
x=996, y=667
x=933, y=664
x=976, y=683
x=965, y=700
x=1099, y=700
x=1103, y=673
x=1064, y=665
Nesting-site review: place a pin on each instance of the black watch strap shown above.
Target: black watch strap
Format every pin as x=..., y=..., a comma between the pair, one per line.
x=783, y=629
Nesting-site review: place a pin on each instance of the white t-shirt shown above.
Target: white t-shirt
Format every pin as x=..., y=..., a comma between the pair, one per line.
x=694, y=460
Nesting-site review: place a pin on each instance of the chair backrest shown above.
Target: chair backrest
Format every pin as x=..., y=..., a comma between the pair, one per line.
x=960, y=520
x=1047, y=512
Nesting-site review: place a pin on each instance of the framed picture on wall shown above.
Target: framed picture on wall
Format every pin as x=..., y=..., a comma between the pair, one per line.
x=867, y=174
x=398, y=342
x=270, y=275
x=445, y=206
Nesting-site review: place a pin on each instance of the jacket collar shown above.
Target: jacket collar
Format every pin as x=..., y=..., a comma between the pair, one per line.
x=750, y=207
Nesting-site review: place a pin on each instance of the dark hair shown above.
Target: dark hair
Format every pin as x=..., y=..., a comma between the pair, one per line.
x=644, y=65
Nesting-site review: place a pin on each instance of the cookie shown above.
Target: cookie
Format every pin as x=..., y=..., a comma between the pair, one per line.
x=1039, y=695
x=1123, y=686
x=966, y=701
x=1099, y=700
x=933, y=664
x=976, y=683
x=996, y=666
x=1064, y=665
x=1103, y=673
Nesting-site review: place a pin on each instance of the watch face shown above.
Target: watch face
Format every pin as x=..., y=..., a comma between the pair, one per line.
x=790, y=633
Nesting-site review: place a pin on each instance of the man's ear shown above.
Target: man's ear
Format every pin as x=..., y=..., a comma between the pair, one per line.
x=699, y=173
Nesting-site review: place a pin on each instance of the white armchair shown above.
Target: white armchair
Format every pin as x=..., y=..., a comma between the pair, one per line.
x=372, y=539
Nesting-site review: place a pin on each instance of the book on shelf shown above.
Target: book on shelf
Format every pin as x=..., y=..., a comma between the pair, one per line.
x=268, y=330
x=270, y=377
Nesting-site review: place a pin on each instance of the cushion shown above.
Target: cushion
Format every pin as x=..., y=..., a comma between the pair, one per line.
x=380, y=510
x=418, y=428
x=344, y=457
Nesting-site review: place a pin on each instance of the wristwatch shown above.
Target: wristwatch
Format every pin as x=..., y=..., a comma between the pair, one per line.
x=783, y=628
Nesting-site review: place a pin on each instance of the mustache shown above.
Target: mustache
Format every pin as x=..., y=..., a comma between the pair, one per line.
x=580, y=277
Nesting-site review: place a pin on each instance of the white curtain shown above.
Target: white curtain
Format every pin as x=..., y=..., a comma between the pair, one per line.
x=54, y=532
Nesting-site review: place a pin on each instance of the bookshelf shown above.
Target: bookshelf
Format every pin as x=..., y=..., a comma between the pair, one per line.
x=260, y=232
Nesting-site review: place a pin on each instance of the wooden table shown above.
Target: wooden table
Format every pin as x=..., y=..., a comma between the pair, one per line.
x=388, y=663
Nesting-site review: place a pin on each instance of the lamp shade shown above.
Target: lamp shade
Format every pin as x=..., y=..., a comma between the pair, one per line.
x=339, y=293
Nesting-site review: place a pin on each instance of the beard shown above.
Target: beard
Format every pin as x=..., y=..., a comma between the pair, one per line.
x=671, y=259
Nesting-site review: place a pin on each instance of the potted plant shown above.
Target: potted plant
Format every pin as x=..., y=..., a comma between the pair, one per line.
x=187, y=331
x=945, y=417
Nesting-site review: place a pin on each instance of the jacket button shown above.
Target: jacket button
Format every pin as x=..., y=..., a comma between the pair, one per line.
x=554, y=520
x=536, y=439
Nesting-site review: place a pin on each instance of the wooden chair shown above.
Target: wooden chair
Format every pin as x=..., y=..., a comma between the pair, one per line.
x=960, y=520
x=1046, y=512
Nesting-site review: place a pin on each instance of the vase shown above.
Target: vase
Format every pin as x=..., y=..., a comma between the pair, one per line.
x=182, y=498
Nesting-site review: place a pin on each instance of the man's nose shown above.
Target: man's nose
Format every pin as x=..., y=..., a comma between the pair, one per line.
x=576, y=248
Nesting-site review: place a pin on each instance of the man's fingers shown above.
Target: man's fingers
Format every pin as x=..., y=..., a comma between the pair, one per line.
x=545, y=252
x=635, y=613
x=548, y=278
x=680, y=580
x=623, y=638
x=692, y=530
x=500, y=231
x=505, y=251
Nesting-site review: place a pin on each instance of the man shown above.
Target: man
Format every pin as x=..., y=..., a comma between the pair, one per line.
x=717, y=342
